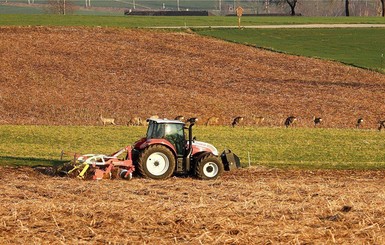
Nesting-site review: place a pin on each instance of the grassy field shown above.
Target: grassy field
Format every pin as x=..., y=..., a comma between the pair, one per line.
x=274, y=147
x=362, y=47
x=179, y=21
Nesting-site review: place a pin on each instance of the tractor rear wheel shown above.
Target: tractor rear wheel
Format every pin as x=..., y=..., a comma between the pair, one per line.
x=209, y=167
x=156, y=162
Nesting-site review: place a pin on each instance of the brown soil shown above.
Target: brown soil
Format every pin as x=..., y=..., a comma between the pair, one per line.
x=68, y=76
x=248, y=206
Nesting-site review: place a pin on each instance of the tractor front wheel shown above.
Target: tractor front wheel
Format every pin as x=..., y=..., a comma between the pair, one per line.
x=156, y=162
x=209, y=167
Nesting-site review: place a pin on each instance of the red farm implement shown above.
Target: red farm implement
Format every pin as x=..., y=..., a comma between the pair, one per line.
x=99, y=166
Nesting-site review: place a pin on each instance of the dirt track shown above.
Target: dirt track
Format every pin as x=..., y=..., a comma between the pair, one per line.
x=53, y=75
x=250, y=206
x=281, y=26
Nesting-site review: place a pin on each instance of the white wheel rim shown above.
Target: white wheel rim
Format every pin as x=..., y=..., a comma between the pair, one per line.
x=210, y=169
x=157, y=164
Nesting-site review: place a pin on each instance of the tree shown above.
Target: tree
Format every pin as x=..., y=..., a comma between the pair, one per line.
x=383, y=7
x=60, y=7
x=292, y=4
x=347, y=7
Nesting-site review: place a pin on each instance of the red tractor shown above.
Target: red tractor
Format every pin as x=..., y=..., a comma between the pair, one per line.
x=166, y=150
x=163, y=152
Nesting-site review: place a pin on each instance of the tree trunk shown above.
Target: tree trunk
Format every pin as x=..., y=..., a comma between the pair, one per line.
x=383, y=7
x=292, y=4
x=347, y=7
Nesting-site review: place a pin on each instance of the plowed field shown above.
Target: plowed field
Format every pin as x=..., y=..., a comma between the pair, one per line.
x=68, y=76
x=248, y=206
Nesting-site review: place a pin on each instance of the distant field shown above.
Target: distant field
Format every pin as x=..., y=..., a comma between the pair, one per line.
x=17, y=10
x=180, y=21
x=275, y=147
x=21, y=6
x=362, y=47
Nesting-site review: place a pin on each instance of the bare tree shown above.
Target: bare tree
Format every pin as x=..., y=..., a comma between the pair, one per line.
x=292, y=4
x=60, y=7
x=347, y=7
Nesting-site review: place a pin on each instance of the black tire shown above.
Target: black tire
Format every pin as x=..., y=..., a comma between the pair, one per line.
x=209, y=167
x=156, y=162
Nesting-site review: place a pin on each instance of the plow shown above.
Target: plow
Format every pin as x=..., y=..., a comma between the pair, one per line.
x=166, y=150
x=99, y=166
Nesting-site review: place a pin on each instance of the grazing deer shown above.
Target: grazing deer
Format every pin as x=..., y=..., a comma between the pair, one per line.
x=236, y=121
x=152, y=117
x=317, y=120
x=107, y=120
x=179, y=118
x=381, y=125
x=359, y=122
x=257, y=120
x=290, y=121
x=212, y=121
x=135, y=121
x=192, y=119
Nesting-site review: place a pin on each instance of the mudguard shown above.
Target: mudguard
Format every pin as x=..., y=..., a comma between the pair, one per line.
x=230, y=160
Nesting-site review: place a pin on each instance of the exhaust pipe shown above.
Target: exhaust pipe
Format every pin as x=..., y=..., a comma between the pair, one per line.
x=187, y=158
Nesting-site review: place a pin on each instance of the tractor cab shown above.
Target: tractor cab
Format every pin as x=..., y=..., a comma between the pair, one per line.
x=170, y=130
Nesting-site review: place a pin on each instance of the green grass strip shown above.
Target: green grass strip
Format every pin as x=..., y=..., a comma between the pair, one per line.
x=362, y=47
x=307, y=148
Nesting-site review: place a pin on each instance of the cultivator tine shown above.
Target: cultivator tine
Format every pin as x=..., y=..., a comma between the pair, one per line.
x=82, y=173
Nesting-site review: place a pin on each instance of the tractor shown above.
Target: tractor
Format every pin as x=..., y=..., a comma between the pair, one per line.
x=167, y=150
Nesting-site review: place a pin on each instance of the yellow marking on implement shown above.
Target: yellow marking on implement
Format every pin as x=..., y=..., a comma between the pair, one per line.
x=81, y=175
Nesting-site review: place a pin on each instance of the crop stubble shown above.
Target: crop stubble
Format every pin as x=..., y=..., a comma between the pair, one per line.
x=249, y=206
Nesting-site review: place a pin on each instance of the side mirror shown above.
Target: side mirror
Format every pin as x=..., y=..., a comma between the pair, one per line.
x=194, y=139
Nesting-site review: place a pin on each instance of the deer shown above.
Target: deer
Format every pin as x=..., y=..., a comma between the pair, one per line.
x=106, y=121
x=359, y=122
x=381, y=125
x=290, y=121
x=135, y=121
x=317, y=120
x=179, y=118
x=257, y=120
x=236, y=121
x=152, y=117
x=211, y=121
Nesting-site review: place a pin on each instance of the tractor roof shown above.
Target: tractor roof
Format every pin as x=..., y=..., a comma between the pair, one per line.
x=166, y=121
